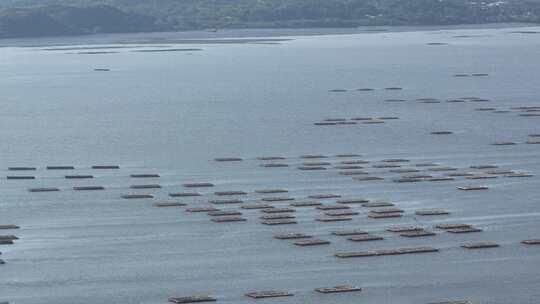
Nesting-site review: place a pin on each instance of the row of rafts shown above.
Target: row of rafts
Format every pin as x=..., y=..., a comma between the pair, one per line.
x=351, y=166
x=286, y=293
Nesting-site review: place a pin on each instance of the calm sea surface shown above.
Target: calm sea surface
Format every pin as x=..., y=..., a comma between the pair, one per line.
x=173, y=112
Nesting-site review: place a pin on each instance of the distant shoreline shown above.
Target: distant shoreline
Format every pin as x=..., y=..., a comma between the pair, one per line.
x=253, y=34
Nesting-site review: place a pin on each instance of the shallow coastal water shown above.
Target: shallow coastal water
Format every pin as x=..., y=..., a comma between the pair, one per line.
x=173, y=112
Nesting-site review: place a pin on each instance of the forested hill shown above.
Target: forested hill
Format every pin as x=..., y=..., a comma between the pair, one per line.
x=25, y=18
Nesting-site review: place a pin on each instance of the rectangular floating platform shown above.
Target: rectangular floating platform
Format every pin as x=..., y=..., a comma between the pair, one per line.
x=271, y=191
x=8, y=237
x=324, y=196
x=78, y=176
x=442, y=132
x=149, y=186
x=43, y=189
x=274, y=165
x=256, y=206
x=201, y=209
x=88, y=188
x=349, y=232
x=346, y=155
x=377, y=204
x=270, y=158
x=384, y=215
x=348, y=167
x=338, y=289
x=480, y=245
x=278, y=210
x=227, y=219
x=520, y=174
x=144, y=175
x=385, y=166
x=387, y=210
x=192, y=299
x=348, y=173
x=9, y=226
x=333, y=219
x=442, y=169
x=224, y=213
x=460, y=174
x=333, y=207
x=292, y=236
x=500, y=172
x=225, y=202
x=60, y=168
x=311, y=242
x=335, y=119
x=316, y=164
x=355, y=162
x=418, y=233
x=480, y=167
x=531, y=242
x=313, y=156
x=169, y=204
x=365, y=238
x=421, y=176
x=21, y=177
x=278, y=216
x=352, y=201
x=470, y=188
x=464, y=230
x=341, y=213
x=184, y=194
x=106, y=167
x=269, y=294
x=227, y=159
x=309, y=168
x=401, y=229
x=452, y=226
x=453, y=302
x=278, y=222
x=383, y=252
x=481, y=177
x=441, y=179
x=22, y=168
x=408, y=180
x=404, y=170
x=229, y=193
x=137, y=196
x=395, y=160
x=277, y=199
x=6, y=242
x=426, y=212
x=305, y=204
x=367, y=178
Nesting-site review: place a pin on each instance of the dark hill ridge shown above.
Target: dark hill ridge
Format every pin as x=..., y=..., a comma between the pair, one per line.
x=57, y=20
x=21, y=18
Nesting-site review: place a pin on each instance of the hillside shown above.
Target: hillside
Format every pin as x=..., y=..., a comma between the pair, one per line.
x=66, y=17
